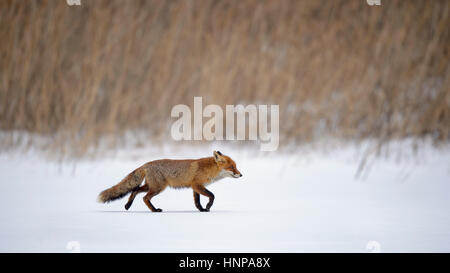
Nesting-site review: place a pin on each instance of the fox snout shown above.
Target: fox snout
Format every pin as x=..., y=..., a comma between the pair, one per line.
x=236, y=173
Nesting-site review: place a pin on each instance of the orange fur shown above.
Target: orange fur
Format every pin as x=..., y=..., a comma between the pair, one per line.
x=158, y=174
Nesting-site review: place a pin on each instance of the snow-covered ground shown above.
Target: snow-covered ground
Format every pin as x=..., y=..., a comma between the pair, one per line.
x=299, y=202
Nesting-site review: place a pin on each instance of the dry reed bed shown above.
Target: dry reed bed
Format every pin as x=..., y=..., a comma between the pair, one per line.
x=337, y=68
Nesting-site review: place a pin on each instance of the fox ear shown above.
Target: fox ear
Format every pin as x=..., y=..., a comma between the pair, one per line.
x=218, y=156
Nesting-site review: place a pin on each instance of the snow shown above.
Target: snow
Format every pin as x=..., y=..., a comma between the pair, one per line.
x=285, y=202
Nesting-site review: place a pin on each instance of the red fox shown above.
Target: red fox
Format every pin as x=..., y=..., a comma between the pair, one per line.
x=158, y=174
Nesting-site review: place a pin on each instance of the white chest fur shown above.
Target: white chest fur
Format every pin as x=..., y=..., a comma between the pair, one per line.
x=222, y=174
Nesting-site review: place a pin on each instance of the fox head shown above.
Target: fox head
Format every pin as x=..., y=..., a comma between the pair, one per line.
x=227, y=165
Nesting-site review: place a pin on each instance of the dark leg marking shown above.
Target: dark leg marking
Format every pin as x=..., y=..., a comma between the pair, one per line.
x=143, y=188
x=197, y=202
x=203, y=191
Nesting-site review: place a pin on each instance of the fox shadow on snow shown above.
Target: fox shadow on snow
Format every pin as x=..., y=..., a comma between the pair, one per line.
x=165, y=211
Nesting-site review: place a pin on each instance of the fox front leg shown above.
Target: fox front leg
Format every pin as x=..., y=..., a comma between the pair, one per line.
x=211, y=200
x=203, y=191
x=197, y=202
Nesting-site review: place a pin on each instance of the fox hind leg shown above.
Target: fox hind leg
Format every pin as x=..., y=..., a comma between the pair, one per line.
x=151, y=193
x=143, y=188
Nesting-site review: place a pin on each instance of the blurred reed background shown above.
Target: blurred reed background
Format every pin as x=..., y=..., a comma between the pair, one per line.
x=337, y=68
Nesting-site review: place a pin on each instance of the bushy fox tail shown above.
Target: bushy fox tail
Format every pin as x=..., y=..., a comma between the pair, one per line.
x=129, y=183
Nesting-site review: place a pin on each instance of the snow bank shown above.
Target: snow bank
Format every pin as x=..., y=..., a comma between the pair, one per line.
x=283, y=203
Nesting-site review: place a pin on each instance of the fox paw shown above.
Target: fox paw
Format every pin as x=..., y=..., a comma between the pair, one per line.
x=157, y=210
x=204, y=210
x=127, y=206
